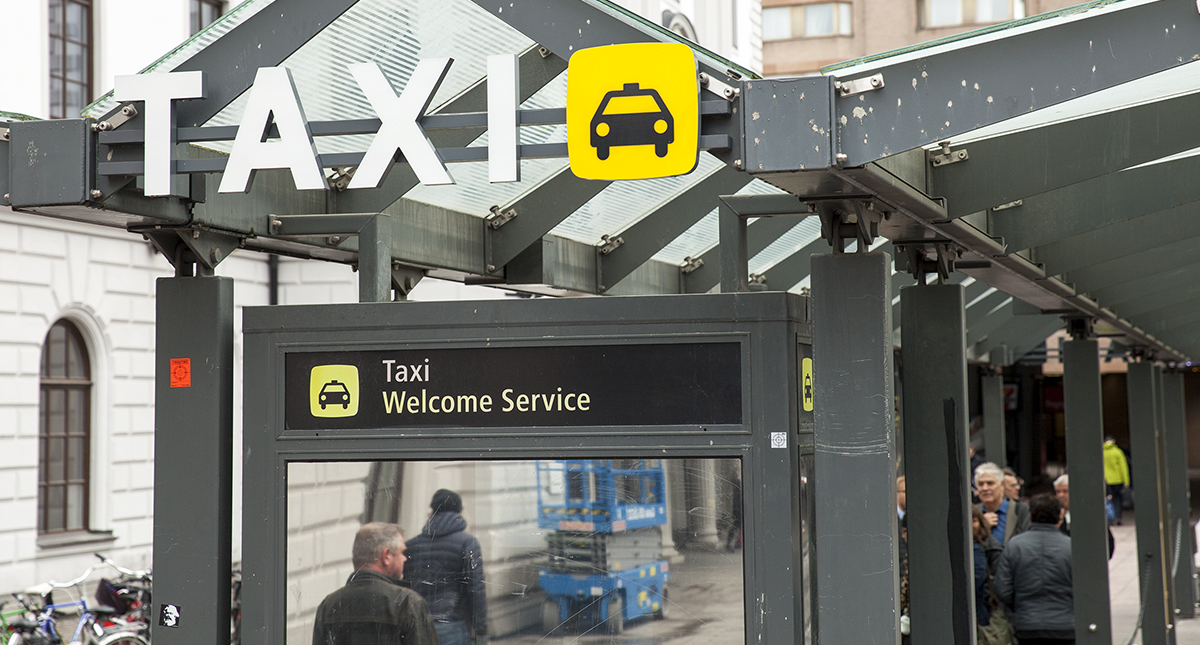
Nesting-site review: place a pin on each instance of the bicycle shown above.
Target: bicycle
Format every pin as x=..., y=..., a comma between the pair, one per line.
x=98, y=625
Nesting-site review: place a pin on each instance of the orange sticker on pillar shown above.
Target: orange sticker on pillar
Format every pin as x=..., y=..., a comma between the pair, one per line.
x=181, y=372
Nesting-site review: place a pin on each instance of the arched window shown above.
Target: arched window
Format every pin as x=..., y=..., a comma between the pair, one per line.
x=64, y=431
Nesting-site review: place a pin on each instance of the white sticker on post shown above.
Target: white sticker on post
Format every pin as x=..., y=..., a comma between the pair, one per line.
x=779, y=440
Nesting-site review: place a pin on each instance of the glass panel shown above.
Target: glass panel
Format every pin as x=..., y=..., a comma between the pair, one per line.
x=55, y=500
x=76, y=62
x=209, y=13
x=76, y=22
x=76, y=459
x=808, y=542
x=57, y=447
x=845, y=19
x=77, y=412
x=777, y=23
x=818, y=20
x=41, y=508
x=76, y=364
x=703, y=235
x=550, y=564
x=943, y=12
x=56, y=345
x=57, y=412
x=75, y=507
x=56, y=97
x=991, y=10
x=56, y=57
x=55, y=15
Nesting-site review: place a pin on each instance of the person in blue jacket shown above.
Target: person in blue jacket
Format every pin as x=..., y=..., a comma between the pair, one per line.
x=445, y=566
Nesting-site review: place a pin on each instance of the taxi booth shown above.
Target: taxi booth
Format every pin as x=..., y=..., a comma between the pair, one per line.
x=606, y=453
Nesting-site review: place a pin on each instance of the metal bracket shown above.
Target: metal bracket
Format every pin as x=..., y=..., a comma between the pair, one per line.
x=691, y=264
x=341, y=177
x=499, y=218
x=859, y=85
x=184, y=247
x=405, y=279
x=608, y=245
x=3, y=134
x=720, y=88
x=127, y=113
x=911, y=257
x=756, y=282
x=853, y=221
x=946, y=156
x=1080, y=327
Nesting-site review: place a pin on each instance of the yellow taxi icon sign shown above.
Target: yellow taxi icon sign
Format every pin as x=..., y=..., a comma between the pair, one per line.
x=333, y=391
x=633, y=111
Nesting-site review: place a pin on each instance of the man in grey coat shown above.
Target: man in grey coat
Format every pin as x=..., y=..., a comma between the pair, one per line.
x=1033, y=578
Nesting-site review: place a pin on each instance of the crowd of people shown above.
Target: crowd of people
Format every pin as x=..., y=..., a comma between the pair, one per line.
x=1021, y=553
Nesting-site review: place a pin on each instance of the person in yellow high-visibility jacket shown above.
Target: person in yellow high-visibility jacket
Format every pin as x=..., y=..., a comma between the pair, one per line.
x=1116, y=474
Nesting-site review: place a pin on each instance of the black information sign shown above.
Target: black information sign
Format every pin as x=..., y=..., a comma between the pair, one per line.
x=564, y=385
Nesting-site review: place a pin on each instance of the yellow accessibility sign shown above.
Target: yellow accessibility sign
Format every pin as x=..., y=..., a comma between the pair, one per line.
x=806, y=385
x=633, y=111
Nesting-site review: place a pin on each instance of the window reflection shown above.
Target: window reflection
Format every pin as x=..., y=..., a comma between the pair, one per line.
x=621, y=550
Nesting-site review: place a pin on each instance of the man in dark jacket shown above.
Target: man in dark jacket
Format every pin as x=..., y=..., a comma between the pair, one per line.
x=1033, y=579
x=445, y=566
x=375, y=608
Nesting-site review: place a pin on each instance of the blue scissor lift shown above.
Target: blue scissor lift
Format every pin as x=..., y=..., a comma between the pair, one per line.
x=605, y=561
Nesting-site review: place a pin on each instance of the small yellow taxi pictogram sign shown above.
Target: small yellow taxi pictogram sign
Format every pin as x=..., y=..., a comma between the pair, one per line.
x=633, y=111
x=333, y=391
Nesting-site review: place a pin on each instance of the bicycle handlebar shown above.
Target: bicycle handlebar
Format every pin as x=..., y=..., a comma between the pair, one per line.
x=121, y=569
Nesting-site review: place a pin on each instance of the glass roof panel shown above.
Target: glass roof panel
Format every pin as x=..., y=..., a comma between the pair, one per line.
x=800, y=235
x=623, y=203
x=703, y=235
x=186, y=49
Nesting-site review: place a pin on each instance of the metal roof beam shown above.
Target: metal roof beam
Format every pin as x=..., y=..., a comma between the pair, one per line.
x=1121, y=240
x=1171, y=319
x=1020, y=334
x=1003, y=169
x=1096, y=203
x=1135, y=288
x=1132, y=267
x=537, y=212
x=944, y=94
x=1155, y=303
x=980, y=310
x=760, y=233
x=655, y=231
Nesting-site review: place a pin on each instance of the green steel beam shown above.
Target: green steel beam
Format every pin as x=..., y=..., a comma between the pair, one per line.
x=1139, y=265
x=1097, y=203
x=1015, y=166
x=977, y=311
x=538, y=211
x=1154, y=231
x=655, y=231
x=1135, y=288
x=1020, y=335
x=760, y=233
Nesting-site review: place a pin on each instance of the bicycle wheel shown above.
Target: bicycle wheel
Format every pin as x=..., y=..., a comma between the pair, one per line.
x=122, y=638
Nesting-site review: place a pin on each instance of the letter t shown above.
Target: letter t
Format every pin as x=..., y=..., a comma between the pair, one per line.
x=158, y=91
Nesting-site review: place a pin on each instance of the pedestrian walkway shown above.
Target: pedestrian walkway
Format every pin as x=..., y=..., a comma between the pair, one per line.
x=1124, y=591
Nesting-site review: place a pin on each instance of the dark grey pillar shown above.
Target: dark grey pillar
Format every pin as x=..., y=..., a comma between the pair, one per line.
x=375, y=260
x=1089, y=523
x=1180, y=533
x=934, y=369
x=1145, y=442
x=993, y=420
x=734, y=249
x=855, y=454
x=193, y=459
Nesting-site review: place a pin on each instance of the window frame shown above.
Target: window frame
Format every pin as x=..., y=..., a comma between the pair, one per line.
x=196, y=17
x=797, y=16
x=61, y=42
x=67, y=383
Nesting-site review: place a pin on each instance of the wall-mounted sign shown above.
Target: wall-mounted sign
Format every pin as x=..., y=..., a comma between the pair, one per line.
x=562, y=385
x=633, y=111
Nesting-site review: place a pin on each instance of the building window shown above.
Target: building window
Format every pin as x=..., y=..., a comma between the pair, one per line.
x=807, y=21
x=64, y=432
x=70, y=57
x=205, y=12
x=947, y=13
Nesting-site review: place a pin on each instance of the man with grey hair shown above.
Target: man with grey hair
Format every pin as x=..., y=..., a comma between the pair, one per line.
x=375, y=607
x=1005, y=518
x=1062, y=490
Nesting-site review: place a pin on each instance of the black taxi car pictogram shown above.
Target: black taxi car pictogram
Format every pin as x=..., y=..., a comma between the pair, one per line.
x=334, y=393
x=613, y=125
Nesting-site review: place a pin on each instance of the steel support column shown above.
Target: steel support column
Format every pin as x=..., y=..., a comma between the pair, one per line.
x=1145, y=442
x=735, y=257
x=375, y=260
x=855, y=449
x=936, y=463
x=193, y=459
x=993, y=420
x=1089, y=524
x=1181, y=534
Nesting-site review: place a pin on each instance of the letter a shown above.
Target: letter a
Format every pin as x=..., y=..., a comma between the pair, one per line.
x=401, y=126
x=273, y=99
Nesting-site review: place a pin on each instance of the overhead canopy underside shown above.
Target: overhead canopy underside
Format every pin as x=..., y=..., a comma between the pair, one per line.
x=1066, y=188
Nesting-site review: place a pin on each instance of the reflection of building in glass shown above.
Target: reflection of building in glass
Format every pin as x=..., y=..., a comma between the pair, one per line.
x=328, y=502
